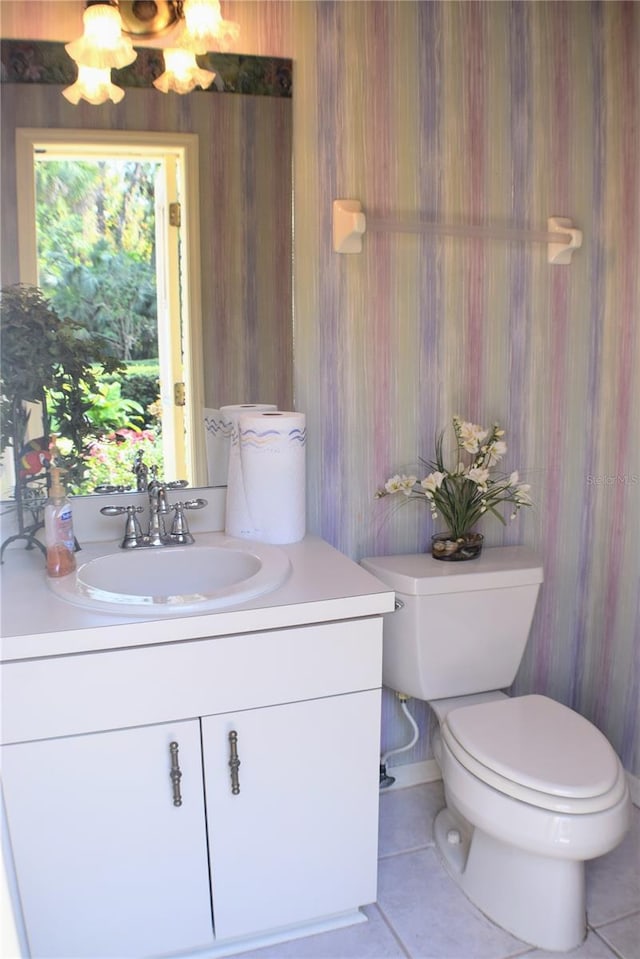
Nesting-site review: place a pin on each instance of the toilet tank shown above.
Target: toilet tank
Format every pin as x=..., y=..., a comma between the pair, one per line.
x=459, y=627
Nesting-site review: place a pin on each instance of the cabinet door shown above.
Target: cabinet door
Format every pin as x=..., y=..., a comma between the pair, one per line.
x=298, y=840
x=106, y=863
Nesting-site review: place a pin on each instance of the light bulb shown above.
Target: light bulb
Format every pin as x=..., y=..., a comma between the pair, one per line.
x=204, y=27
x=102, y=45
x=182, y=73
x=93, y=85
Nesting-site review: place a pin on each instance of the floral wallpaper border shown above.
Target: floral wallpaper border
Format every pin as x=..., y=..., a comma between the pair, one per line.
x=46, y=62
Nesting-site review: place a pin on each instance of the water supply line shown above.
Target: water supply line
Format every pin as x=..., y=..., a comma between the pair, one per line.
x=386, y=780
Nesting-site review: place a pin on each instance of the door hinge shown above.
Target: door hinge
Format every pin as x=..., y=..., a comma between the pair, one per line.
x=174, y=214
x=179, y=395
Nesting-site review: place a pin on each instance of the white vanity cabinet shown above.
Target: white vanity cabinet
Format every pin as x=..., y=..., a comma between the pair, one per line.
x=291, y=839
x=107, y=865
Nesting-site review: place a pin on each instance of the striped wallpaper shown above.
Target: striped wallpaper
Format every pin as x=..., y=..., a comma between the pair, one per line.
x=497, y=113
x=488, y=113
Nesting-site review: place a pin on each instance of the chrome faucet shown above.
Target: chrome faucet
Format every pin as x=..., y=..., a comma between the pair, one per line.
x=159, y=507
x=141, y=472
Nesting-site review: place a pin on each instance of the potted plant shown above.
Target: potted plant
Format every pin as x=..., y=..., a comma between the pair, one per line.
x=44, y=356
x=464, y=493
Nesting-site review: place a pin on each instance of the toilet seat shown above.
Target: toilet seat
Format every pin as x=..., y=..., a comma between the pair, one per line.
x=538, y=751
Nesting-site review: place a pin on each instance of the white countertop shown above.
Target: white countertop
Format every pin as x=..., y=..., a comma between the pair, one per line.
x=323, y=585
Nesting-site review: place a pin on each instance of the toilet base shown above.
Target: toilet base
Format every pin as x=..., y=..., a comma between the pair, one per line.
x=538, y=899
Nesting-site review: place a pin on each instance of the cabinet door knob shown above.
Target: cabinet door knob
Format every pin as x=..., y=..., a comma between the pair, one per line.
x=234, y=762
x=175, y=774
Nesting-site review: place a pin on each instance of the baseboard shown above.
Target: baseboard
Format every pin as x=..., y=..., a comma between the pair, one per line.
x=413, y=774
x=287, y=934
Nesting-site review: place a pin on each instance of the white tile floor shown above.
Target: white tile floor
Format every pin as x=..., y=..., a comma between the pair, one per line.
x=421, y=914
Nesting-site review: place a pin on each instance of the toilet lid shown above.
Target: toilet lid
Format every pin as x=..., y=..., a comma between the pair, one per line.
x=538, y=743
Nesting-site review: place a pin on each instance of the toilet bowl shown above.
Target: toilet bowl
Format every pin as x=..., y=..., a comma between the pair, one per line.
x=523, y=814
x=532, y=788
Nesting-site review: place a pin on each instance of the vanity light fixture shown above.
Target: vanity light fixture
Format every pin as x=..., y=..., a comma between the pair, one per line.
x=100, y=48
x=196, y=26
x=181, y=72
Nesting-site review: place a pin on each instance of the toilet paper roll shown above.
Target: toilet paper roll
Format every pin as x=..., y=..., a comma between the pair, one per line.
x=266, y=494
x=218, y=428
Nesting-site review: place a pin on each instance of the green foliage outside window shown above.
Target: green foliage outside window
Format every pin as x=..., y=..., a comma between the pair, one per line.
x=96, y=248
x=96, y=256
x=44, y=354
x=110, y=460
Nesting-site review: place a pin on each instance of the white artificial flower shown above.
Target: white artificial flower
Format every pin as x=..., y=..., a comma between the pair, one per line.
x=522, y=495
x=479, y=476
x=432, y=482
x=496, y=452
x=471, y=436
x=399, y=484
x=514, y=478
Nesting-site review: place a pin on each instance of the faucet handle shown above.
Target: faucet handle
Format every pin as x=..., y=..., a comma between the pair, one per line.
x=113, y=510
x=180, y=528
x=133, y=535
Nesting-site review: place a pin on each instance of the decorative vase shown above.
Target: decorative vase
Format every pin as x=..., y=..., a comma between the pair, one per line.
x=468, y=546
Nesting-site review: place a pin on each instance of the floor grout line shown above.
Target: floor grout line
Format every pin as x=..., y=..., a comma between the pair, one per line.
x=393, y=932
x=403, y=852
x=614, y=951
x=609, y=922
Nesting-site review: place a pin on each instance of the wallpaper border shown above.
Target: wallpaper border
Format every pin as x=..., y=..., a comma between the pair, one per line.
x=47, y=62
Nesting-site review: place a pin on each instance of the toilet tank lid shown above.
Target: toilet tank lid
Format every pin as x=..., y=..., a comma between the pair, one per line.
x=418, y=574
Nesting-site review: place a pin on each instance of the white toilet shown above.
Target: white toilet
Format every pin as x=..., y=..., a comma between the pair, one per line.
x=532, y=788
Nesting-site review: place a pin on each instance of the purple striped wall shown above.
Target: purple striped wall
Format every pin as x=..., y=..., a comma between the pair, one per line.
x=501, y=113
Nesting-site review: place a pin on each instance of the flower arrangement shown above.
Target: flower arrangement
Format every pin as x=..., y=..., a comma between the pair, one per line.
x=473, y=487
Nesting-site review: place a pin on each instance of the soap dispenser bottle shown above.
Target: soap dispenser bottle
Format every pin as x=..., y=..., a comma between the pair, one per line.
x=58, y=526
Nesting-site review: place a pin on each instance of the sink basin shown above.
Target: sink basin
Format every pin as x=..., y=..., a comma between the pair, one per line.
x=175, y=579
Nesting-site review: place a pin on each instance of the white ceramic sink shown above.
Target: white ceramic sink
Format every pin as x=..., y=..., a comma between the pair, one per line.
x=171, y=580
